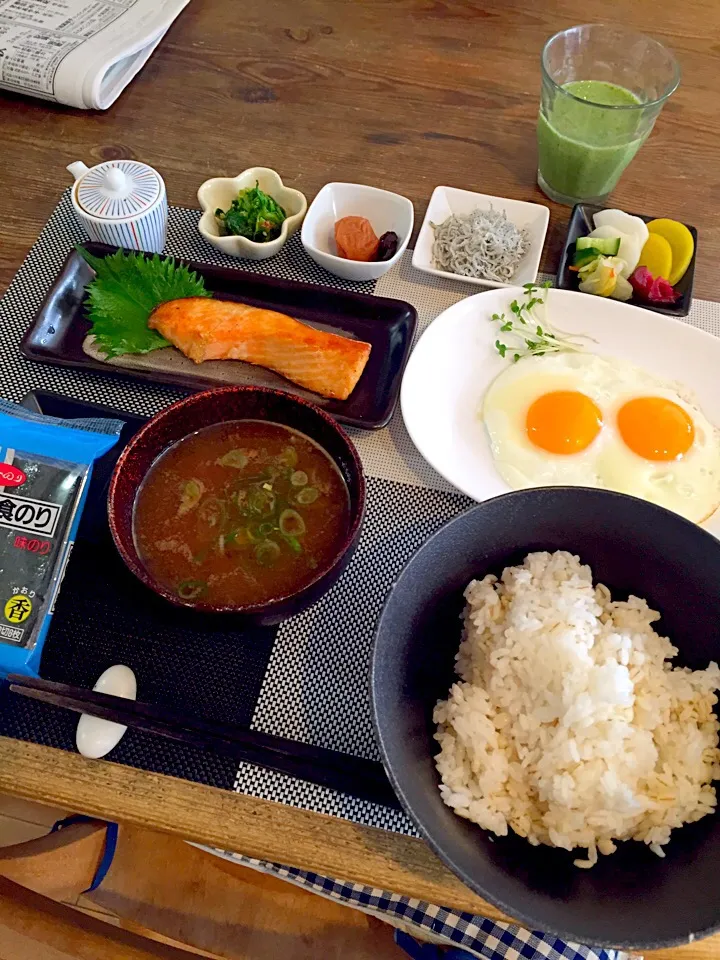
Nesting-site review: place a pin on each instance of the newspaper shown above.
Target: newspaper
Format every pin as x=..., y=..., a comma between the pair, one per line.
x=82, y=53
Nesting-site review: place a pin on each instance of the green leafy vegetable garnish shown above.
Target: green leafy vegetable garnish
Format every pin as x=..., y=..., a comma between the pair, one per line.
x=531, y=333
x=254, y=215
x=125, y=291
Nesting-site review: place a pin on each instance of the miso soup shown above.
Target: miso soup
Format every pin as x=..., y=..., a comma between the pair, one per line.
x=240, y=513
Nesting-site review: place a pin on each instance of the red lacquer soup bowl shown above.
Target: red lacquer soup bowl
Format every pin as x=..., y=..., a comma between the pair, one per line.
x=215, y=407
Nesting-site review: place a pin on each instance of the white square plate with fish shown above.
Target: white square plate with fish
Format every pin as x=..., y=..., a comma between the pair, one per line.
x=455, y=362
x=449, y=201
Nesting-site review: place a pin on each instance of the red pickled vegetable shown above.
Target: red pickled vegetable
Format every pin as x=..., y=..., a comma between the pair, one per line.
x=641, y=280
x=652, y=289
x=662, y=291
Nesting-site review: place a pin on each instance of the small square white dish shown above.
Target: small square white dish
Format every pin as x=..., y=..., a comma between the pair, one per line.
x=219, y=193
x=449, y=201
x=385, y=211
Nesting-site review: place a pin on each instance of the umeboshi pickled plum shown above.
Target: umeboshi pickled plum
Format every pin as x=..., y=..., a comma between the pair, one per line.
x=356, y=239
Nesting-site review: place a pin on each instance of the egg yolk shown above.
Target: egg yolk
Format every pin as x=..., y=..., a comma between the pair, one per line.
x=656, y=428
x=564, y=421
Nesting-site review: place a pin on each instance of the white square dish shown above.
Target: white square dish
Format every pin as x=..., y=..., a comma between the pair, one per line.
x=385, y=211
x=449, y=201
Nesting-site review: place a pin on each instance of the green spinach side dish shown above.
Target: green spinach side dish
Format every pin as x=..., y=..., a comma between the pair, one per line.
x=253, y=214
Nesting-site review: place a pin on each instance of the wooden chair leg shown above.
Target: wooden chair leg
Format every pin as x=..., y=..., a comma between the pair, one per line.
x=33, y=927
x=160, y=884
x=60, y=865
x=191, y=896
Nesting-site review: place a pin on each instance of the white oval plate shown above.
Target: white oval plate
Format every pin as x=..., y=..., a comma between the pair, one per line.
x=455, y=361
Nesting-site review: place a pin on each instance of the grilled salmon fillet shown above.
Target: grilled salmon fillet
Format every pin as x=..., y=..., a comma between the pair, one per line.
x=207, y=329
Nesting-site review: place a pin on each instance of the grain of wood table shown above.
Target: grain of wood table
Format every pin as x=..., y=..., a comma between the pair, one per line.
x=402, y=94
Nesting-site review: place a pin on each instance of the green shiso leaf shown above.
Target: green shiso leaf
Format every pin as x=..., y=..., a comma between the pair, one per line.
x=126, y=289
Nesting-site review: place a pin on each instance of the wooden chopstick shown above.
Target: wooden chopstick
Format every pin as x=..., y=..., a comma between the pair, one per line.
x=357, y=776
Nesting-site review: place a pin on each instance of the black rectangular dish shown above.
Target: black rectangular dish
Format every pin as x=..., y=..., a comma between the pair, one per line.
x=581, y=224
x=187, y=664
x=59, y=328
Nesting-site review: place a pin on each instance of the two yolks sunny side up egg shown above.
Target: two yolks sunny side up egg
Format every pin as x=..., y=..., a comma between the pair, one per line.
x=567, y=421
x=581, y=419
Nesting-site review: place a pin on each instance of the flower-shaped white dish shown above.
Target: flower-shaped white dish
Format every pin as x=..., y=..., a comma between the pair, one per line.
x=220, y=192
x=449, y=201
x=385, y=211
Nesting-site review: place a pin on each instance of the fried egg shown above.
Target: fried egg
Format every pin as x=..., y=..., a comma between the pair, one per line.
x=585, y=420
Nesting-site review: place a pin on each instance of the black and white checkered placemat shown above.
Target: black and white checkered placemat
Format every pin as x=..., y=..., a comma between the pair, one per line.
x=40, y=268
x=315, y=686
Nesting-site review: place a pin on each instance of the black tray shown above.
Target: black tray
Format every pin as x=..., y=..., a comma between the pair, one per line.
x=191, y=663
x=581, y=223
x=57, y=332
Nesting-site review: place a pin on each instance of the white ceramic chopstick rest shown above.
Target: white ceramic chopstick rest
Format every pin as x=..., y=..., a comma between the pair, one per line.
x=96, y=737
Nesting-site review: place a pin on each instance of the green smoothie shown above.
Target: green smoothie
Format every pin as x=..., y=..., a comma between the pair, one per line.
x=583, y=148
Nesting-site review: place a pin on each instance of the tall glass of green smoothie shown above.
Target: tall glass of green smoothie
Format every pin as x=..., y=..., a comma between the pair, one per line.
x=602, y=90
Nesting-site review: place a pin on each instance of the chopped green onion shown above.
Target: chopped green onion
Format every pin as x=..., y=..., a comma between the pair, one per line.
x=266, y=553
x=213, y=512
x=307, y=495
x=288, y=457
x=191, y=493
x=262, y=501
x=233, y=458
x=235, y=539
x=299, y=478
x=201, y=556
x=294, y=544
x=191, y=589
x=291, y=524
x=253, y=532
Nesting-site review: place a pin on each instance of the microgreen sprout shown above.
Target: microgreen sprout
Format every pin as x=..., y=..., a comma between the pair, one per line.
x=531, y=332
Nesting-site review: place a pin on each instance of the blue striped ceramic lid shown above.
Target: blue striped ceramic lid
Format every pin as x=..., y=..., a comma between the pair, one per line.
x=119, y=189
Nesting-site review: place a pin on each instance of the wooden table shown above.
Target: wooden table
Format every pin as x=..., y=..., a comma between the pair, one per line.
x=403, y=94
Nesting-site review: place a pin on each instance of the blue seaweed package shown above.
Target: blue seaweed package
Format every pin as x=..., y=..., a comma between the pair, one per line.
x=45, y=469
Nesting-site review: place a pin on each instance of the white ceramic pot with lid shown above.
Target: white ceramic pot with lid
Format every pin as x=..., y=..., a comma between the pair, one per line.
x=122, y=203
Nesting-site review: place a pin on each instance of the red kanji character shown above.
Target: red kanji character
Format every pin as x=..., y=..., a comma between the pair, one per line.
x=21, y=543
x=33, y=546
